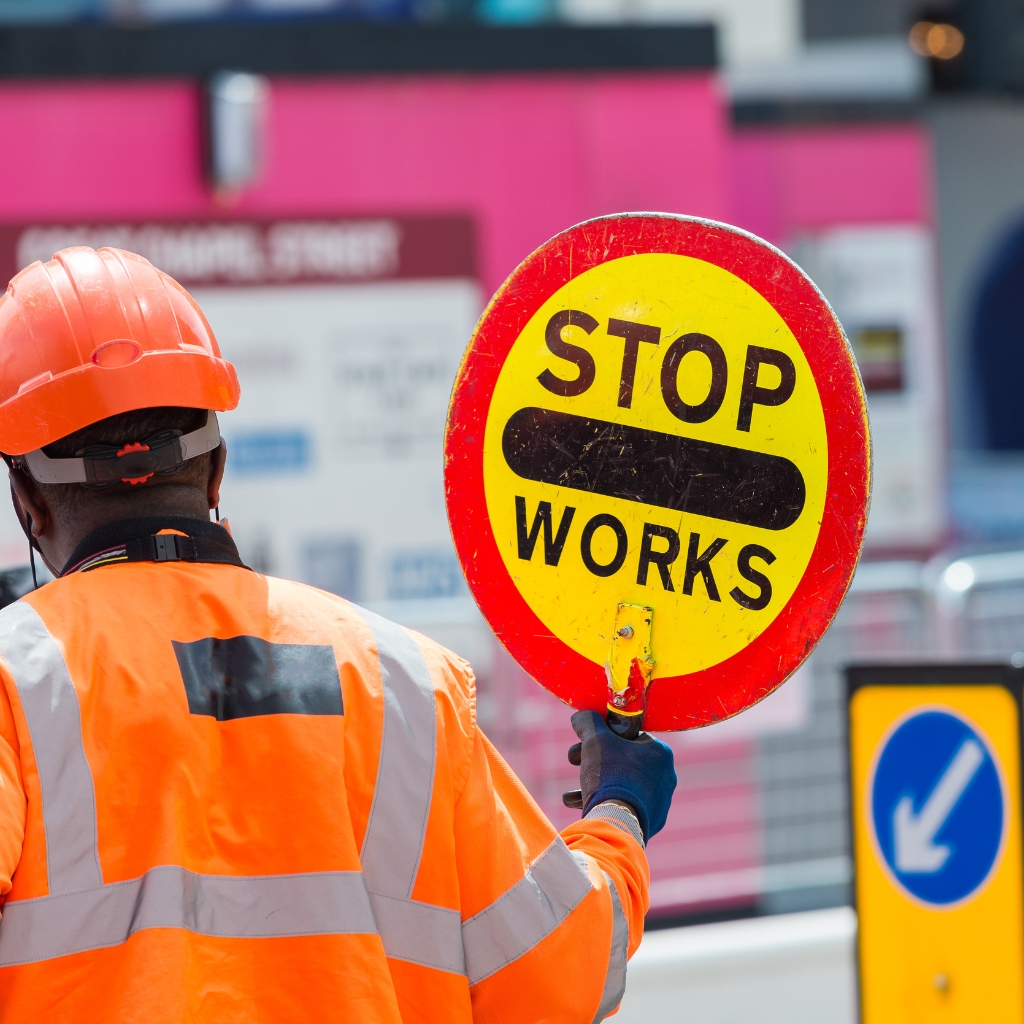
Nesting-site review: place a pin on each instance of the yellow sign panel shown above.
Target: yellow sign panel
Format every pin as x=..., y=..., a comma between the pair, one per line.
x=656, y=350
x=935, y=787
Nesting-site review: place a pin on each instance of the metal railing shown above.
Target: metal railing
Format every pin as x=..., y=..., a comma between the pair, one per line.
x=967, y=608
x=802, y=775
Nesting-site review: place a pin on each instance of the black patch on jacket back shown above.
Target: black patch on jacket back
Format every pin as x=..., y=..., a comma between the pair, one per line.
x=244, y=676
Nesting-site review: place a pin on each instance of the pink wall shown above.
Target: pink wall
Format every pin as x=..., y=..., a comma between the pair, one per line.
x=793, y=179
x=528, y=155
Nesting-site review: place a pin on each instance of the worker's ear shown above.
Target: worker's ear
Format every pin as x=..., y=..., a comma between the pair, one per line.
x=218, y=460
x=26, y=491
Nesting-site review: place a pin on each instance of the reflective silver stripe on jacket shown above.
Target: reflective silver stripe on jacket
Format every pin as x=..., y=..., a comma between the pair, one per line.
x=615, y=979
x=51, y=708
x=227, y=906
x=397, y=828
x=554, y=885
x=411, y=930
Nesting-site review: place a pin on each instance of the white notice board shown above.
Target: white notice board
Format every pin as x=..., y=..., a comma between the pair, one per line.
x=881, y=281
x=334, y=453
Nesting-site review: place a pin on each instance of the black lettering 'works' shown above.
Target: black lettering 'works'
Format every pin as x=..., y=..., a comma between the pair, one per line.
x=527, y=541
x=700, y=564
x=244, y=677
x=679, y=473
x=748, y=572
x=662, y=559
x=621, y=545
x=573, y=353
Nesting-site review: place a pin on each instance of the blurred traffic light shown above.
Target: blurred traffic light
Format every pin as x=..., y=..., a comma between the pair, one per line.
x=938, y=36
x=936, y=39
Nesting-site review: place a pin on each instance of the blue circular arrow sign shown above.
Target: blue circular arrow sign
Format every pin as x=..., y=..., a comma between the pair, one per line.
x=937, y=807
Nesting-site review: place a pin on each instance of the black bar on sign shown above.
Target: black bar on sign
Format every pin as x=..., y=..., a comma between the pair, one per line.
x=666, y=470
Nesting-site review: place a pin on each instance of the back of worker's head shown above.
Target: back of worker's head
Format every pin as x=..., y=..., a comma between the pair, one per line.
x=179, y=490
x=110, y=381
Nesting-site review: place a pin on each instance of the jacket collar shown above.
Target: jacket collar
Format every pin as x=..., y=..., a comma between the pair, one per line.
x=122, y=540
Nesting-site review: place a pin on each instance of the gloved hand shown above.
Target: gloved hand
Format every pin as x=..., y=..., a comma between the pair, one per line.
x=638, y=772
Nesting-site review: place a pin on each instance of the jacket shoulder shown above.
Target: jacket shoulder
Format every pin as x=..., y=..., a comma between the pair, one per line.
x=450, y=673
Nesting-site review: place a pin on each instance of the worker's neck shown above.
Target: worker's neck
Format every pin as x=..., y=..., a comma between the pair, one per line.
x=58, y=544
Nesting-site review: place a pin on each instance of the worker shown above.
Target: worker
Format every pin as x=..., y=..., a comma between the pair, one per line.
x=226, y=797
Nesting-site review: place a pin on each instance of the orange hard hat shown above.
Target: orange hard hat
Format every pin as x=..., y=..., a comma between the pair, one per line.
x=93, y=333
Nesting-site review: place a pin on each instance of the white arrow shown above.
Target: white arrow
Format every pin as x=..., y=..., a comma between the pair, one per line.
x=916, y=853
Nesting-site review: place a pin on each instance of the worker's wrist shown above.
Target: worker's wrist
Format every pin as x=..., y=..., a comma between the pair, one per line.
x=625, y=805
x=621, y=814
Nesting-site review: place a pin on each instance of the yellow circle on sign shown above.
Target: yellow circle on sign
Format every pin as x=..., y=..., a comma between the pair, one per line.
x=574, y=553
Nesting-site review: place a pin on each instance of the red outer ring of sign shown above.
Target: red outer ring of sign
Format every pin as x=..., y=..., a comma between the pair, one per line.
x=750, y=675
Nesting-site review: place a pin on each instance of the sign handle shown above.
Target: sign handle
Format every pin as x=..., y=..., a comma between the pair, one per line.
x=628, y=669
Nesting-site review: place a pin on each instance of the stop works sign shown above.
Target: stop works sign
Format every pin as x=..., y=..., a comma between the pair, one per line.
x=661, y=412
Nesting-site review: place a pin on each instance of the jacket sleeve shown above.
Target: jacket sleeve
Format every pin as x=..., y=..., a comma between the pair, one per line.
x=548, y=919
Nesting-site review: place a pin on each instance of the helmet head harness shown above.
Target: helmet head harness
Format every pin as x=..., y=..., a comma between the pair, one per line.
x=101, y=465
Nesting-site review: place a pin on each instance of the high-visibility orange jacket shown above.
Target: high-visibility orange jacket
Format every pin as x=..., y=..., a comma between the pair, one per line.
x=227, y=797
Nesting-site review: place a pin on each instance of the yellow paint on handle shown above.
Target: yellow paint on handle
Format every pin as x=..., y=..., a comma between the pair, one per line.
x=630, y=661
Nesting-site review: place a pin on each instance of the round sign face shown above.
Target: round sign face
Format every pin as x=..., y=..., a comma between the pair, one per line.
x=659, y=412
x=937, y=807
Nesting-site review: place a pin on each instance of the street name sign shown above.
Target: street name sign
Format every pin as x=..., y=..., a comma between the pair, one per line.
x=935, y=800
x=659, y=424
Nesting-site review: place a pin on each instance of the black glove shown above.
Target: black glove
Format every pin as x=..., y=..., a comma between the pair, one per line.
x=638, y=772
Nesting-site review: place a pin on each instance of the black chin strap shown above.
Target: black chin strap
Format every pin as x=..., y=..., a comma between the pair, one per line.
x=32, y=566
x=25, y=521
